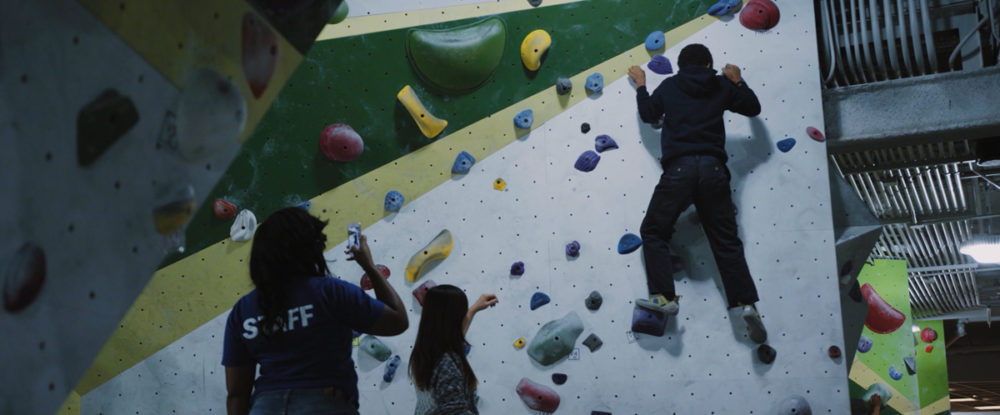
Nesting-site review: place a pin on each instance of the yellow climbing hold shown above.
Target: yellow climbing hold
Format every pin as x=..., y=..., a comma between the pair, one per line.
x=439, y=248
x=430, y=125
x=519, y=343
x=499, y=184
x=534, y=47
x=171, y=217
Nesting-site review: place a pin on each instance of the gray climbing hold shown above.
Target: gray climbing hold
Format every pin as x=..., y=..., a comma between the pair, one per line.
x=102, y=122
x=555, y=340
x=524, y=119
x=911, y=364
x=604, y=143
x=766, y=354
x=563, y=86
x=594, y=300
x=595, y=83
x=23, y=277
x=593, y=342
x=463, y=162
x=535, y=3
x=585, y=128
x=794, y=405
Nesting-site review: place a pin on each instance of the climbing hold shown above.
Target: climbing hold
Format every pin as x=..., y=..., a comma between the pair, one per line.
x=786, y=145
x=463, y=163
x=533, y=48
x=595, y=83
x=519, y=343
x=760, y=15
x=604, y=142
x=458, y=59
x=833, y=352
x=655, y=40
x=499, y=184
x=594, y=301
x=468, y=349
x=882, y=318
x=243, y=227
x=573, y=249
x=864, y=344
x=660, y=64
x=390, y=369
x=224, y=209
x=894, y=373
x=366, y=281
x=305, y=205
x=517, y=268
x=437, y=249
x=929, y=348
x=374, y=347
x=393, y=201
x=524, y=119
x=340, y=13
x=648, y=321
x=422, y=289
x=102, y=122
x=23, y=277
x=539, y=299
x=724, y=7
x=794, y=405
x=911, y=364
x=535, y=3
x=928, y=335
x=766, y=353
x=339, y=142
x=555, y=339
x=563, y=86
x=537, y=397
x=585, y=128
x=815, y=134
x=429, y=125
x=559, y=378
x=173, y=209
x=629, y=243
x=593, y=342
x=260, y=53
x=587, y=161
x=211, y=114
x=879, y=388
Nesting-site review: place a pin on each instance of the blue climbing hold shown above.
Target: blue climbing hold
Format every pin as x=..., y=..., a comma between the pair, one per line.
x=595, y=83
x=463, y=162
x=629, y=243
x=305, y=205
x=655, y=41
x=393, y=201
x=390, y=369
x=468, y=348
x=524, y=119
x=894, y=373
x=604, y=142
x=724, y=7
x=587, y=161
x=517, y=268
x=864, y=344
x=573, y=249
x=559, y=378
x=660, y=64
x=786, y=145
x=539, y=299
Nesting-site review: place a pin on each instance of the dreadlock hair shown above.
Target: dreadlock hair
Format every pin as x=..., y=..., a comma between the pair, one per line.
x=440, y=332
x=287, y=246
x=694, y=54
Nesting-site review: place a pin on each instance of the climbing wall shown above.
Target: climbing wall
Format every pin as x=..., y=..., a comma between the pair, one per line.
x=703, y=364
x=932, y=374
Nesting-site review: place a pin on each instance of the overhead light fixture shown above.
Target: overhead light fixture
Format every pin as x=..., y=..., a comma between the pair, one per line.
x=984, y=249
x=986, y=408
x=962, y=400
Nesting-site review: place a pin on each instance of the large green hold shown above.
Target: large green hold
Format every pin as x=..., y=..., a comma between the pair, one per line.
x=458, y=59
x=556, y=339
x=373, y=346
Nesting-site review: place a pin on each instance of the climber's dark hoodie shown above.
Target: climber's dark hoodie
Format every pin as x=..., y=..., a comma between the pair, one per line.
x=693, y=102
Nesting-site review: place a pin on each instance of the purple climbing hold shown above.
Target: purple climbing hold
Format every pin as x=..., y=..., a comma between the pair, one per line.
x=786, y=145
x=604, y=142
x=559, y=378
x=661, y=65
x=629, y=243
x=539, y=299
x=517, y=268
x=864, y=344
x=585, y=128
x=463, y=162
x=573, y=249
x=587, y=161
x=766, y=354
x=647, y=321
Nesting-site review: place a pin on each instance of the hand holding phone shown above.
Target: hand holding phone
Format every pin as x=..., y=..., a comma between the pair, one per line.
x=354, y=235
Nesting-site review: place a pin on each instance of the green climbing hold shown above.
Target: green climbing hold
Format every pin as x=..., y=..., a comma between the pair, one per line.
x=556, y=339
x=102, y=122
x=373, y=346
x=458, y=59
x=340, y=14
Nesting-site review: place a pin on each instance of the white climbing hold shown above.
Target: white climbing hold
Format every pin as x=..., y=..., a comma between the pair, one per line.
x=243, y=227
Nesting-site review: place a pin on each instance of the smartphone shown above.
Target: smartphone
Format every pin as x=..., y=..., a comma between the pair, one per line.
x=353, y=235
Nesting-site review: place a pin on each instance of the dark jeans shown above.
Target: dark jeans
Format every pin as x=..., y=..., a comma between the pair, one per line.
x=704, y=181
x=326, y=401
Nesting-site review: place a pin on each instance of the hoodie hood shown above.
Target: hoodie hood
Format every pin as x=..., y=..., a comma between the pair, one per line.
x=696, y=81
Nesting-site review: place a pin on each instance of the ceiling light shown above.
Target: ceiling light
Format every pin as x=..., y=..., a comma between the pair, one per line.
x=984, y=249
x=984, y=408
x=962, y=400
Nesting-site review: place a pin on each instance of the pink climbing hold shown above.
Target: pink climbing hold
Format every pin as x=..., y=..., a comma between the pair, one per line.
x=260, y=53
x=882, y=317
x=928, y=335
x=537, y=397
x=366, y=281
x=339, y=142
x=815, y=134
x=760, y=15
x=421, y=291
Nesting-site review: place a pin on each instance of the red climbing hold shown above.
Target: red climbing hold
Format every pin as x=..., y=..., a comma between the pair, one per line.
x=339, y=142
x=422, y=290
x=366, y=281
x=882, y=317
x=760, y=15
x=224, y=209
x=537, y=397
x=815, y=134
x=928, y=335
x=929, y=348
x=260, y=53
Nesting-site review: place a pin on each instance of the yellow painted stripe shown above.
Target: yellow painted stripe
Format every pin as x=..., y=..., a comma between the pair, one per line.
x=865, y=377
x=192, y=291
x=71, y=406
x=381, y=22
x=178, y=38
x=941, y=405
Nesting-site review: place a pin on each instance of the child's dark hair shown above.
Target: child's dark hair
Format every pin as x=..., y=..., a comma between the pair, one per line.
x=440, y=332
x=695, y=54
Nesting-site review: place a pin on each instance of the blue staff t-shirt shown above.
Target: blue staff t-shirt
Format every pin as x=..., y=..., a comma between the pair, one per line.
x=314, y=348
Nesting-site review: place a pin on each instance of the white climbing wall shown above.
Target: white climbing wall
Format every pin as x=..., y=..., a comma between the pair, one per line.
x=705, y=363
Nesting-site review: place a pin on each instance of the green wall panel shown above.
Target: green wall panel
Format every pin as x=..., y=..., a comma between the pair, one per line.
x=932, y=370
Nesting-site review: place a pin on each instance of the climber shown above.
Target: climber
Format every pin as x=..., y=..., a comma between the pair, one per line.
x=694, y=171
